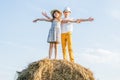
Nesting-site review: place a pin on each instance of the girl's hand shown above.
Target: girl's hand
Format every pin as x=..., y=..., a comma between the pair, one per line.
x=78, y=21
x=35, y=20
x=90, y=19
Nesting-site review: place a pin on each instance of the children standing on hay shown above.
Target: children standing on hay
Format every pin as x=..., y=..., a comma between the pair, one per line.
x=66, y=32
x=54, y=35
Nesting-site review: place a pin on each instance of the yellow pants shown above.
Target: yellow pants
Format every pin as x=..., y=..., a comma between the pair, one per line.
x=66, y=39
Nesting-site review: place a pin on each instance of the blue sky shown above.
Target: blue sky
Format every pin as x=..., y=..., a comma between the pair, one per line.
x=96, y=44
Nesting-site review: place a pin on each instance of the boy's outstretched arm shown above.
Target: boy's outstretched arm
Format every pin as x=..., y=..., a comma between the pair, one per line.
x=84, y=20
x=45, y=14
x=42, y=19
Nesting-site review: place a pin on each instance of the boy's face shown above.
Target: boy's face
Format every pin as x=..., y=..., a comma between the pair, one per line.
x=67, y=13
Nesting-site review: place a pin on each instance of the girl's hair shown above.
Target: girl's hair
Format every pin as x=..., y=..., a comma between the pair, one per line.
x=60, y=14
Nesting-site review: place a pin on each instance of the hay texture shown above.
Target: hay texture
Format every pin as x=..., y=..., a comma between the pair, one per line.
x=47, y=69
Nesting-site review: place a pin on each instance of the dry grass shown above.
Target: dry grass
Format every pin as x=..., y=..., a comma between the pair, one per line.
x=55, y=70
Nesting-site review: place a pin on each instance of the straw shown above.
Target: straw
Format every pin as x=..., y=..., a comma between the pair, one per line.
x=48, y=69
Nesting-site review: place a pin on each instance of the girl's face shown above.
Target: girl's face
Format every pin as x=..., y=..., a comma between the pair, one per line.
x=56, y=14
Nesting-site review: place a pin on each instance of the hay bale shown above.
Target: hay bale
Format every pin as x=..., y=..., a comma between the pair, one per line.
x=47, y=69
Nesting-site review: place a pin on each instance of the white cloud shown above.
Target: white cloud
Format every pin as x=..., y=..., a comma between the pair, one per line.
x=99, y=56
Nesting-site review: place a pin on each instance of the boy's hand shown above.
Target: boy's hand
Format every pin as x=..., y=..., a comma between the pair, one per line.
x=44, y=14
x=90, y=19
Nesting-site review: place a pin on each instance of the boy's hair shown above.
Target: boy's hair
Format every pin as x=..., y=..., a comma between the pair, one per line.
x=67, y=9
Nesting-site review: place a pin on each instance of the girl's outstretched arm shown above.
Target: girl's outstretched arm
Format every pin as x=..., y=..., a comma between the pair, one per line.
x=42, y=19
x=71, y=20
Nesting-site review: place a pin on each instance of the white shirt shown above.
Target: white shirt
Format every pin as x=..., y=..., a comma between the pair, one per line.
x=67, y=27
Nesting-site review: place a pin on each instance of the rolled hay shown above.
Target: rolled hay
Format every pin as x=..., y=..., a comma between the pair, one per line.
x=48, y=69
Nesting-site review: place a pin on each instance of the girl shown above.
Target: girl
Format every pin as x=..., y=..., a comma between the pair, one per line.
x=54, y=32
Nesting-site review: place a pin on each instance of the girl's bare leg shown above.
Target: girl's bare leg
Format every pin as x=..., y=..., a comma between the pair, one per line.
x=56, y=50
x=50, y=50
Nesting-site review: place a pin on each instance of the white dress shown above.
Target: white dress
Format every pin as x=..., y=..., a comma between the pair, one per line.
x=54, y=32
